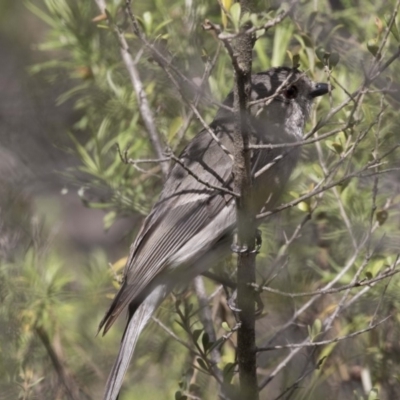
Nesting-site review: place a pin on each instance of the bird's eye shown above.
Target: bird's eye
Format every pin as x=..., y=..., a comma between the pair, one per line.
x=291, y=92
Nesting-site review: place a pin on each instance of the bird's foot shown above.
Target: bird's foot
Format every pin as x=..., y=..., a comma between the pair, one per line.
x=260, y=305
x=233, y=306
x=236, y=248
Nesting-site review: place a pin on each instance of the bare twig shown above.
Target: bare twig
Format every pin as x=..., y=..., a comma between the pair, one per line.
x=319, y=189
x=357, y=284
x=72, y=389
x=174, y=336
x=327, y=322
x=207, y=72
x=323, y=342
x=164, y=62
x=209, y=185
x=143, y=103
x=166, y=67
x=211, y=368
x=392, y=21
x=295, y=384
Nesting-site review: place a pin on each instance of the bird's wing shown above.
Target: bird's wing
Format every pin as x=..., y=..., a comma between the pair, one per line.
x=185, y=208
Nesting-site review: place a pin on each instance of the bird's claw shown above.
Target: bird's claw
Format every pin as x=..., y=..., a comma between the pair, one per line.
x=260, y=305
x=232, y=303
x=245, y=249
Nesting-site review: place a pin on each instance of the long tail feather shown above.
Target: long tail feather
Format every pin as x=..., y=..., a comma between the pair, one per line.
x=135, y=326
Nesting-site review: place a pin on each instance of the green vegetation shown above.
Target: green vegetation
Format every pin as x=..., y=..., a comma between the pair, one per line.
x=346, y=233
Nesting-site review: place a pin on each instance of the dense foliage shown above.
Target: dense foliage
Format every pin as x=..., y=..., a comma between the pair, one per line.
x=342, y=227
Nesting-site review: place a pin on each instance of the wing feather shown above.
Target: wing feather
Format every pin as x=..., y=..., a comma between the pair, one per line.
x=185, y=208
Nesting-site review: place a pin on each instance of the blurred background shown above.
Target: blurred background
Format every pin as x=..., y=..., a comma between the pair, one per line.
x=33, y=136
x=40, y=207
x=70, y=208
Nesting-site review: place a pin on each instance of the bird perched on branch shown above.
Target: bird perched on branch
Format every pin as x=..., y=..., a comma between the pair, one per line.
x=190, y=227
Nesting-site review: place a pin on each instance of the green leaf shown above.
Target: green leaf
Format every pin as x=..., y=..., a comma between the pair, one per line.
x=202, y=364
x=196, y=335
x=334, y=59
x=226, y=326
x=188, y=308
x=181, y=324
x=282, y=37
x=205, y=341
x=109, y=219
x=148, y=22
x=320, y=53
x=41, y=14
x=372, y=46
x=245, y=18
x=393, y=30
x=336, y=147
x=216, y=344
x=262, y=55
x=235, y=11
x=382, y=216
x=373, y=394
x=304, y=206
x=228, y=372
x=174, y=127
x=186, y=378
x=109, y=16
x=296, y=61
x=254, y=19
x=315, y=329
x=160, y=26
x=83, y=154
x=180, y=396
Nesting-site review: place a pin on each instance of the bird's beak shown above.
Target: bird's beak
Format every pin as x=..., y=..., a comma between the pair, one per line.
x=320, y=89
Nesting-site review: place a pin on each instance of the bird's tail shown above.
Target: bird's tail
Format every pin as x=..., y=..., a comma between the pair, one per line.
x=135, y=326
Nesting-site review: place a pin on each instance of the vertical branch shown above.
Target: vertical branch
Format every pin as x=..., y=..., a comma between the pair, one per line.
x=72, y=390
x=246, y=355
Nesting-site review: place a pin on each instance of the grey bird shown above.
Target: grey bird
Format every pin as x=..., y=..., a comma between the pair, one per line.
x=191, y=226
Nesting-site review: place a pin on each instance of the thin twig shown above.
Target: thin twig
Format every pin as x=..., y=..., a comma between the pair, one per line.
x=318, y=189
x=203, y=182
x=323, y=342
x=143, y=103
x=165, y=63
x=72, y=389
x=174, y=336
x=357, y=284
x=207, y=72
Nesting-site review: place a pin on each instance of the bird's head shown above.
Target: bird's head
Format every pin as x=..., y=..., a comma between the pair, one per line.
x=283, y=96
